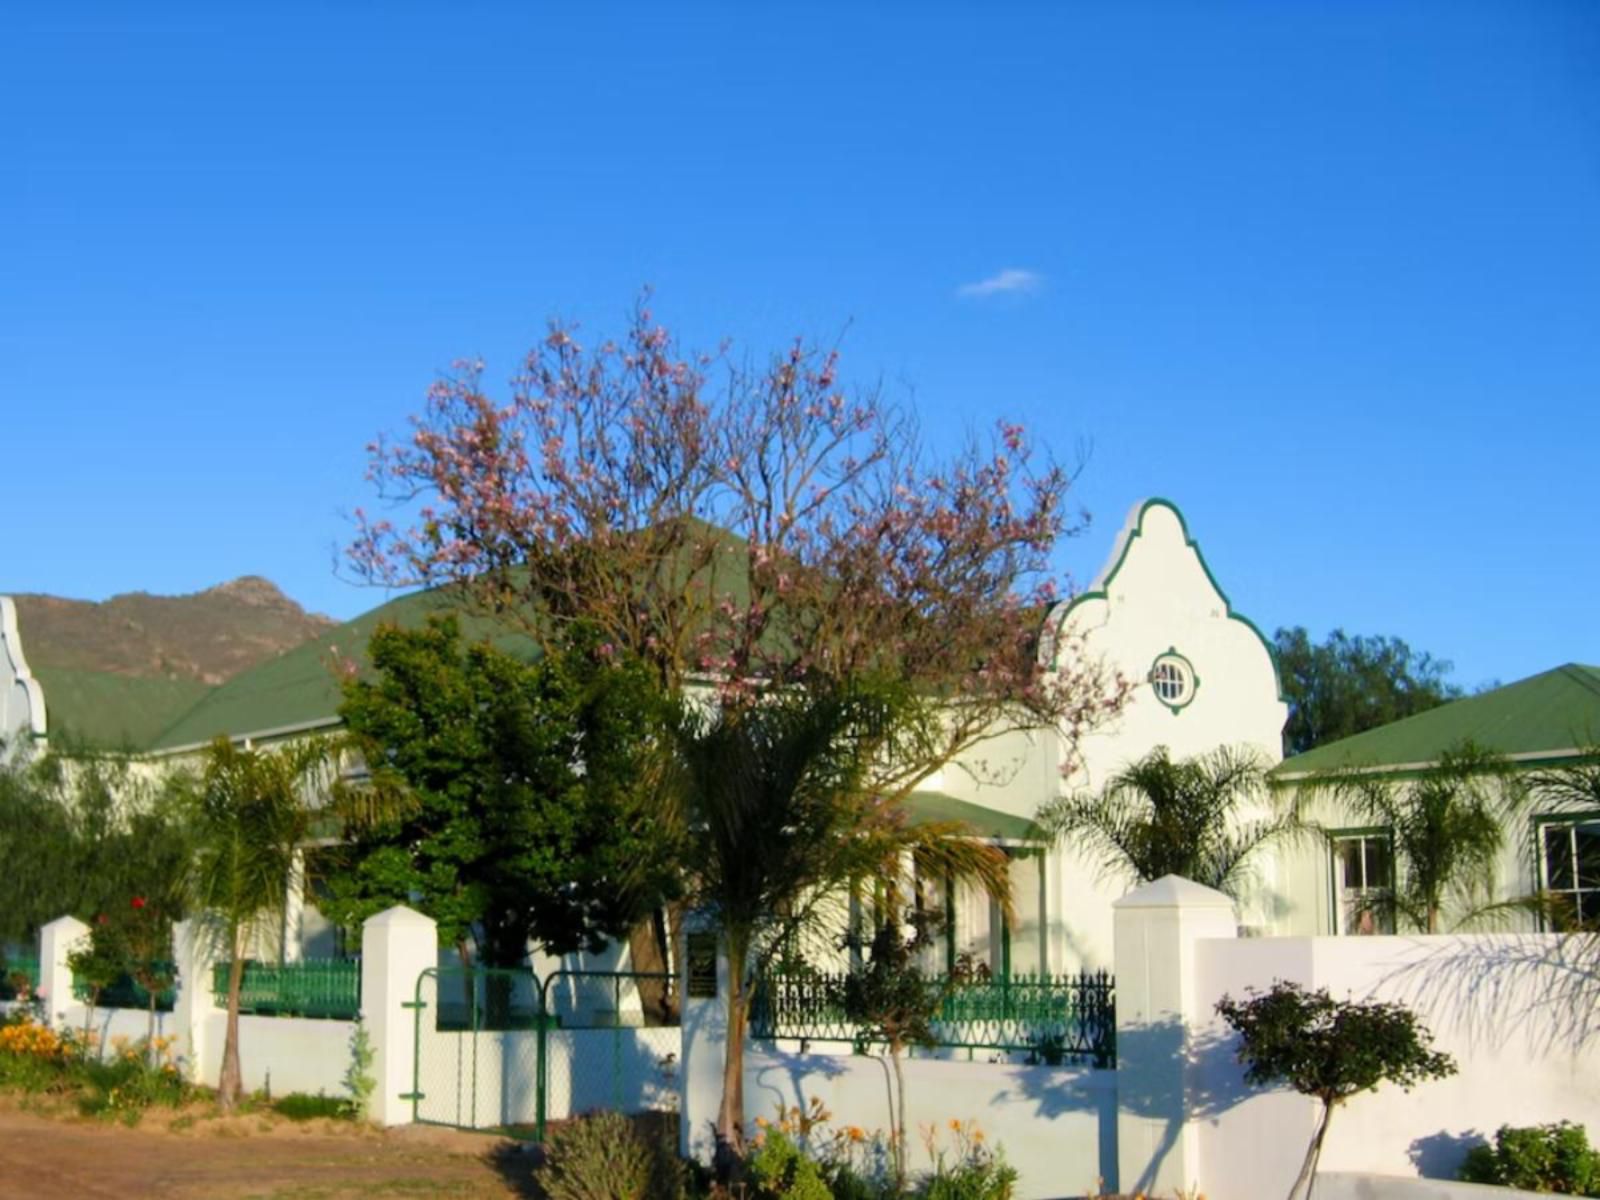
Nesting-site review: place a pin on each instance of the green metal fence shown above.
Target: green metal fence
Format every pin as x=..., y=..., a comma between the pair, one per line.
x=19, y=974
x=127, y=992
x=318, y=987
x=1051, y=1019
x=503, y=1050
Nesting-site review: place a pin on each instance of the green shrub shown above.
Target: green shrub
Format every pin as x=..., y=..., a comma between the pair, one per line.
x=121, y=1088
x=779, y=1170
x=1537, y=1158
x=604, y=1156
x=301, y=1106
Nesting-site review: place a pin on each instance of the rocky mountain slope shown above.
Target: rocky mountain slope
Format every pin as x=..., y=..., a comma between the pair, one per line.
x=207, y=637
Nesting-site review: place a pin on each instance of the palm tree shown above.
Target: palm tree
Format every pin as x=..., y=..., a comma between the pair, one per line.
x=1447, y=826
x=782, y=817
x=1164, y=816
x=1571, y=788
x=252, y=817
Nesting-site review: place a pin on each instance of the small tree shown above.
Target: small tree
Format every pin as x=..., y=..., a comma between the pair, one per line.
x=147, y=938
x=97, y=961
x=892, y=1001
x=252, y=819
x=1330, y=1050
x=1164, y=816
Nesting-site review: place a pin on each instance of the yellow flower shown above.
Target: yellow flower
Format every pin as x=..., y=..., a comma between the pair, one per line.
x=955, y=1125
x=856, y=1133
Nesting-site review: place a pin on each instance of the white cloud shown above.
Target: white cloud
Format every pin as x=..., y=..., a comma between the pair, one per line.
x=1012, y=279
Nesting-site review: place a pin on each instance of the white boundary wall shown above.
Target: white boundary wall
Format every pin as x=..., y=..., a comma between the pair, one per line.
x=1515, y=1011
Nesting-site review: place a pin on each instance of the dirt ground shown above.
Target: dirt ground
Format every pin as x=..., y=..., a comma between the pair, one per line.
x=248, y=1157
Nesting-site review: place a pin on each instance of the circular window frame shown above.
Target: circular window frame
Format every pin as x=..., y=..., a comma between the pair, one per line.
x=1171, y=657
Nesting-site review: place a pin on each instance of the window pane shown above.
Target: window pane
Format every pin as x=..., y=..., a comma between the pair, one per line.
x=1350, y=862
x=1558, y=856
x=1588, y=839
x=1378, y=868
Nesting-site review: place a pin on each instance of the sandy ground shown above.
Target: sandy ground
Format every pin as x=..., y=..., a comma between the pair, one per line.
x=249, y=1156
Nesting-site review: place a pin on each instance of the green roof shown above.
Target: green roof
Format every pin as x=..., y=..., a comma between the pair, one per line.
x=1549, y=714
x=106, y=711
x=928, y=807
x=301, y=686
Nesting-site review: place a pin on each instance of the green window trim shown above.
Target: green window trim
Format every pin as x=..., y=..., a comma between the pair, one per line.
x=1187, y=674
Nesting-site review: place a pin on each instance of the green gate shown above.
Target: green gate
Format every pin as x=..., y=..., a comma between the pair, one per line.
x=502, y=1050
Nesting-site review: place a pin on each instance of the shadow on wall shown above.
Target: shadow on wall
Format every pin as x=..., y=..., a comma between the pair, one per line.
x=1541, y=988
x=1440, y=1155
x=1210, y=1083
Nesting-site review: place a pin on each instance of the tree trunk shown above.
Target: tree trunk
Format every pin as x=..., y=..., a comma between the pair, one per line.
x=150, y=1035
x=730, y=1116
x=1308, y=1168
x=899, y=1131
x=232, y=1079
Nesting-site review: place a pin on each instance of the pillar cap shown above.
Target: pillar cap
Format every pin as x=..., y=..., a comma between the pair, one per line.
x=1174, y=891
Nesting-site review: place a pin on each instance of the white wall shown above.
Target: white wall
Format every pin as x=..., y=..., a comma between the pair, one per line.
x=287, y=1054
x=1517, y=1011
x=1055, y=1124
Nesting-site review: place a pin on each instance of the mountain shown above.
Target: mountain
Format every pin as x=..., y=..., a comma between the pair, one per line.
x=207, y=637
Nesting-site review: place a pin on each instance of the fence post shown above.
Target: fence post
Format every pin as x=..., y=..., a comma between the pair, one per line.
x=56, y=941
x=397, y=946
x=703, y=987
x=195, y=954
x=1156, y=928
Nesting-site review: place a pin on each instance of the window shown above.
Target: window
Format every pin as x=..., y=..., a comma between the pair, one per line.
x=1570, y=863
x=1363, y=877
x=1173, y=679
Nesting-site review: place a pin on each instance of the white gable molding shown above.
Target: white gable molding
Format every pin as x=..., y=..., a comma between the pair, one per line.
x=21, y=698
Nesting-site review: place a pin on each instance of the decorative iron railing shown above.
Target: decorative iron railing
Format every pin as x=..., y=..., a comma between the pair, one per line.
x=1052, y=1019
x=318, y=987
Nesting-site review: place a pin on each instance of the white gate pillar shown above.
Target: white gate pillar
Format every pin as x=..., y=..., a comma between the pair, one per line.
x=1157, y=926
x=397, y=946
x=703, y=984
x=56, y=941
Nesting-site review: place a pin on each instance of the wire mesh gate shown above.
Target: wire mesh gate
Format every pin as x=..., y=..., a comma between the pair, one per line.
x=503, y=1050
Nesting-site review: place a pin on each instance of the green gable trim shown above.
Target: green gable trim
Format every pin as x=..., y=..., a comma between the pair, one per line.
x=1103, y=591
x=925, y=808
x=1544, y=720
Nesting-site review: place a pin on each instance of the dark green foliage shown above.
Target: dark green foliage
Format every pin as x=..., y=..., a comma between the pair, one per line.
x=1448, y=828
x=508, y=799
x=607, y=1156
x=1537, y=1158
x=81, y=835
x=302, y=1106
x=1329, y=1049
x=1164, y=816
x=1349, y=684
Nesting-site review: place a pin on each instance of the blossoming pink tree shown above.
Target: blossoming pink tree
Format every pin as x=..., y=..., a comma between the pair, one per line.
x=755, y=528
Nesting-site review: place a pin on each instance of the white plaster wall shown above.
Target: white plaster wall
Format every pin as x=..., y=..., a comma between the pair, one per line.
x=291, y=1054
x=1517, y=1011
x=1055, y=1124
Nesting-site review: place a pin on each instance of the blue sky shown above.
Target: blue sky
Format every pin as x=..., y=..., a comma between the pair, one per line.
x=1326, y=275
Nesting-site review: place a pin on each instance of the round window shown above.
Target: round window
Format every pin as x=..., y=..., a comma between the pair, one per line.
x=1173, y=679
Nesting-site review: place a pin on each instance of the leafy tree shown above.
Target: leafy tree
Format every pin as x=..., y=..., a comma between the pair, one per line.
x=1330, y=1050
x=1164, y=816
x=1349, y=684
x=758, y=531
x=1447, y=825
x=783, y=816
x=891, y=1000
x=251, y=820
x=511, y=794
x=82, y=834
